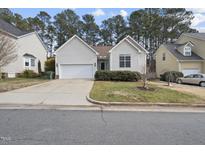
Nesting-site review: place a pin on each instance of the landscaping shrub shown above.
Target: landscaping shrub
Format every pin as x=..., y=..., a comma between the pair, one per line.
x=117, y=76
x=28, y=74
x=173, y=76
x=50, y=65
x=3, y=75
x=48, y=75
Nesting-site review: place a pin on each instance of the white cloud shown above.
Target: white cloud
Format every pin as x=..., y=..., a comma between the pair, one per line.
x=123, y=13
x=198, y=19
x=200, y=29
x=196, y=10
x=98, y=12
x=112, y=14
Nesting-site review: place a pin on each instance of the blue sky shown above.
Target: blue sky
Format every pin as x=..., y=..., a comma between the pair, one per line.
x=101, y=14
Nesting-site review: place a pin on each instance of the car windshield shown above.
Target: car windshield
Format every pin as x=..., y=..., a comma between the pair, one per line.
x=197, y=76
x=188, y=76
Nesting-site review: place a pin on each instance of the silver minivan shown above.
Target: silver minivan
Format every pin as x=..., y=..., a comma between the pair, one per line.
x=198, y=79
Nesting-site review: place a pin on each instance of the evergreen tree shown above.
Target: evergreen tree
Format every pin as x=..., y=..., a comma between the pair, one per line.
x=90, y=29
x=67, y=23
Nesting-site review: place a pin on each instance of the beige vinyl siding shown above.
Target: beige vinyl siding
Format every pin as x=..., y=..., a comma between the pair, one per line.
x=170, y=64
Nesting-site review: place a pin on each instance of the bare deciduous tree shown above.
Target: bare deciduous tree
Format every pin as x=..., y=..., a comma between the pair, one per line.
x=7, y=51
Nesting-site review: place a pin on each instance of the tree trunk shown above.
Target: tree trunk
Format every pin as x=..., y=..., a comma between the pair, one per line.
x=0, y=74
x=145, y=86
x=169, y=80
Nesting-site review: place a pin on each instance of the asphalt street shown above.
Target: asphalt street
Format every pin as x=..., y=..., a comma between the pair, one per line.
x=96, y=127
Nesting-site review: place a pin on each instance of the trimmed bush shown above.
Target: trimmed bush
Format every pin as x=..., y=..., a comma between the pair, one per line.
x=50, y=65
x=117, y=76
x=3, y=75
x=172, y=74
x=28, y=74
x=48, y=75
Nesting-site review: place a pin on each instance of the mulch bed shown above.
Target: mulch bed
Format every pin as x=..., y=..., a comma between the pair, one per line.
x=146, y=89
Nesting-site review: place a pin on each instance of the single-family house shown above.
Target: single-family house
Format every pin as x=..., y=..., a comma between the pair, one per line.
x=76, y=59
x=186, y=55
x=30, y=50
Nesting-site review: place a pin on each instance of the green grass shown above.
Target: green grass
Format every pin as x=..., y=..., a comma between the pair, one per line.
x=16, y=83
x=128, y=92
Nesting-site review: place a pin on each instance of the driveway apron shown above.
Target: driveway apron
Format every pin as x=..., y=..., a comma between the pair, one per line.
x=56, y=92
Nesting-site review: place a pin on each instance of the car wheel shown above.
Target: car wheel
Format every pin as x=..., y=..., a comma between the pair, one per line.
x=202, y=84
x=179, y=81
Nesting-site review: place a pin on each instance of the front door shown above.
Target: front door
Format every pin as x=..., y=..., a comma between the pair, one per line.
x=102, y=66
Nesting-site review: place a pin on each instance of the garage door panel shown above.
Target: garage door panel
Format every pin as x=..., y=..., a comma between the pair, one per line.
x=190, y=71
x=76, y=71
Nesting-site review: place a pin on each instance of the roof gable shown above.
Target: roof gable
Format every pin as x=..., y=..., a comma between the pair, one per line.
x=75, y=36
x=133, y=43
x=39, y=38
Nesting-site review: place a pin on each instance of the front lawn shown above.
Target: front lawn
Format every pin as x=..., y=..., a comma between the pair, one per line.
x=128, y=92
x=16, y=83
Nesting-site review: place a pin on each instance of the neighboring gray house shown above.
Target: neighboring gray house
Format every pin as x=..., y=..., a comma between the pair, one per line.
x=76, y=59
x=31, y=51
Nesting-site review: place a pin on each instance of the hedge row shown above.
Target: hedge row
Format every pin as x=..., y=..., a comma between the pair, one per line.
x=117, y=76
x=28, y=74
x=172, y=75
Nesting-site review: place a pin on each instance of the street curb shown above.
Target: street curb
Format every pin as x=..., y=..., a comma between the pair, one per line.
x=142, y=103
x=46, y=106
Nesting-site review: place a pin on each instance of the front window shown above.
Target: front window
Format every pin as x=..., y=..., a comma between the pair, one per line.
x=187, y=51
x=29, y=62
x=163, y=57
x=125, y=61
x=32, y=62
x=26, y=62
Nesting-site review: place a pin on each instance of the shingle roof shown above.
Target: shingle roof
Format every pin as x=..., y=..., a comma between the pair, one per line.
x=173, y=49
x=102, y=50
x=9, y=28
x=195, y=35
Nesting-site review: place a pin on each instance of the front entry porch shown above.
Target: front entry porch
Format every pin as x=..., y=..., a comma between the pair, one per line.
x=103, y=64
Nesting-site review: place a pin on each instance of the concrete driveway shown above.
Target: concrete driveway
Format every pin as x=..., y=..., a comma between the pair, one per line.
x=193, y=89
x=56, y=92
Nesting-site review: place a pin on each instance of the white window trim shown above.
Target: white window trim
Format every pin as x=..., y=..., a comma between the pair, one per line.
x=185, y=52
x=28, y=59
x=125, y=60
x=31, y=62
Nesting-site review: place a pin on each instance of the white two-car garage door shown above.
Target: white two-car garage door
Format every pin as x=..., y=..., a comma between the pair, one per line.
x=76, y=71
x=190, y=71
